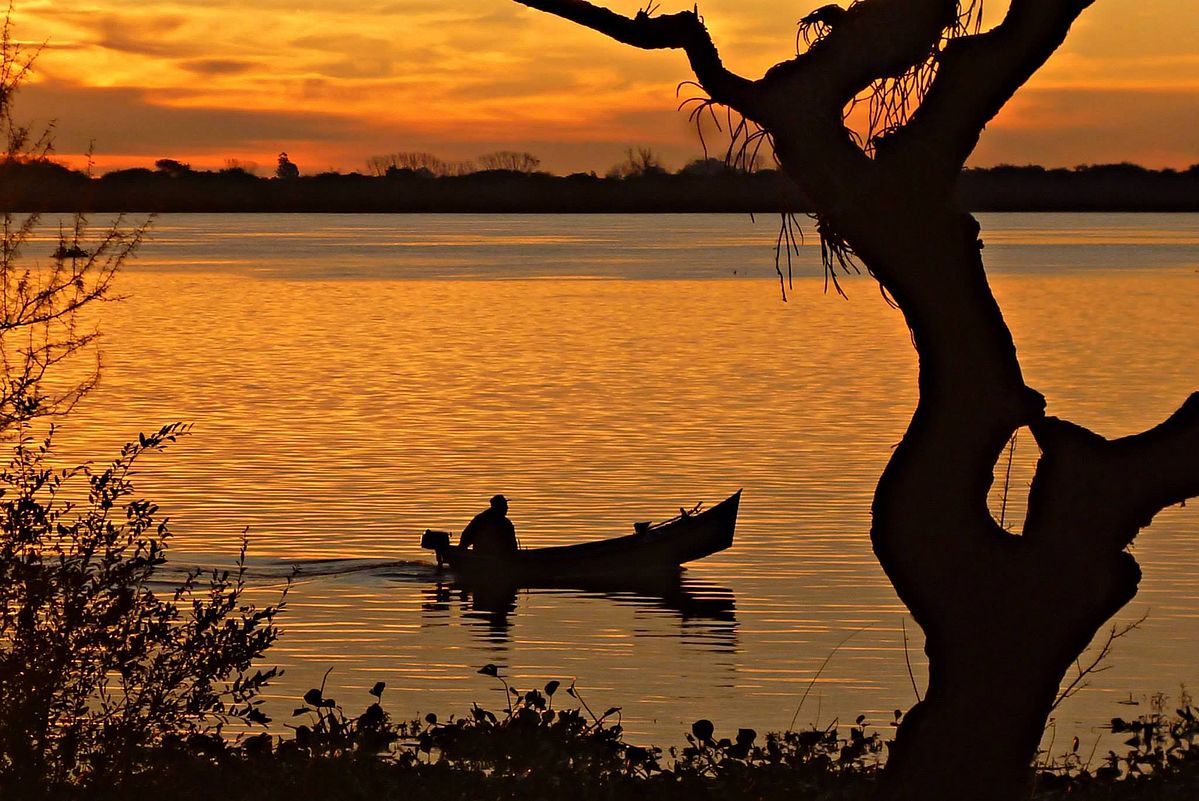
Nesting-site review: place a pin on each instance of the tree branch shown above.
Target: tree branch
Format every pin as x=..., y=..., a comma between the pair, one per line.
x=682, y=31
x=976, y=76
x=1089, y=490
x=872, y=39
x=807, y=96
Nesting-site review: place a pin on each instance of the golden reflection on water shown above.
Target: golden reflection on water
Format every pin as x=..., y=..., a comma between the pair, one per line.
x=338, y=416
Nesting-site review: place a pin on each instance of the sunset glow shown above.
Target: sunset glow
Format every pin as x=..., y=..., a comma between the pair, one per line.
x=209, y=81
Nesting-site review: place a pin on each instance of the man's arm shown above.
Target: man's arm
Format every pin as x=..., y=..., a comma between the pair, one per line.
x=470, y=533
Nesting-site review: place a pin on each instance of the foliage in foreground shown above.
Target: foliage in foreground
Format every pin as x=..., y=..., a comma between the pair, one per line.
x=536, y=750
x=98, y=667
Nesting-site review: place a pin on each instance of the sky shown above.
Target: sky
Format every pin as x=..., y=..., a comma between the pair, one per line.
x=333, y=84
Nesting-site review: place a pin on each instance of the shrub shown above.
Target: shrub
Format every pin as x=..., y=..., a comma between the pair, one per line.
x=96, y=667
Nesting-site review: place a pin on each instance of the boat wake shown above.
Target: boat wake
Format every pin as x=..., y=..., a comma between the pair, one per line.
x=271, y=572
x=689, y=599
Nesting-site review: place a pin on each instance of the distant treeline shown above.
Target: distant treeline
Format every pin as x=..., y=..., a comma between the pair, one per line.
x=703, y=186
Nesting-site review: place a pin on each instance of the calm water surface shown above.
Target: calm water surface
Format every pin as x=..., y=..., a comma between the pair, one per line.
x=355, y=379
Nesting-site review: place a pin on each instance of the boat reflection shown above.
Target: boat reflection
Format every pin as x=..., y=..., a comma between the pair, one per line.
x=487, y=610
x=705, y=613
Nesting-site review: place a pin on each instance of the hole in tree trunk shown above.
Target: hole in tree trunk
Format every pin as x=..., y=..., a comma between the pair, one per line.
x=1008, y=499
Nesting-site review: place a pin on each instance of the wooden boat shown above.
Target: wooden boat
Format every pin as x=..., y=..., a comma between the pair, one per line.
x=653, y=549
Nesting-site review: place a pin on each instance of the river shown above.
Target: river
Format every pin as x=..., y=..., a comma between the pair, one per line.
x=353, y=380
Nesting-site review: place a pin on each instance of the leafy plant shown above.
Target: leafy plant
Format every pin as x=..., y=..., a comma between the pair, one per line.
x=96, y=667
x=329, y=733
x=1158, y=757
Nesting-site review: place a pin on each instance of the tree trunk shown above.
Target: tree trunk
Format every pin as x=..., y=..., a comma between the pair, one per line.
x=1004, y=615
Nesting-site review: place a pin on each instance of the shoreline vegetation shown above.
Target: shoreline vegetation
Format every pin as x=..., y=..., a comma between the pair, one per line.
x=535, y=748
x=704, y=186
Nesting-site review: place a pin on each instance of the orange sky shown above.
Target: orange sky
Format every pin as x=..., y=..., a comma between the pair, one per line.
x=208, y=80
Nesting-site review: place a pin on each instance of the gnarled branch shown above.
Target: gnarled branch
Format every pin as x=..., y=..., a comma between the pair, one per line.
x=873, y=39
x=976, y=77
x=682, y=31
x=1092, y=492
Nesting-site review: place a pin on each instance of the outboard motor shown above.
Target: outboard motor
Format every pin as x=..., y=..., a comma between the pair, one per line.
x=436, y=541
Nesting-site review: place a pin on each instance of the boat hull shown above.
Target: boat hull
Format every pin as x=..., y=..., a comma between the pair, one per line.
x=657, y=550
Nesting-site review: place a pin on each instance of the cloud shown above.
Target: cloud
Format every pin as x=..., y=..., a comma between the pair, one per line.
x=1154, y=72
x=142, y=33
x=337, y=82
x=1087, y=125
x=218, y=66
x=135, y=121
x=344, y=43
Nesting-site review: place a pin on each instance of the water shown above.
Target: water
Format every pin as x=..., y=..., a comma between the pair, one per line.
x=355, y=379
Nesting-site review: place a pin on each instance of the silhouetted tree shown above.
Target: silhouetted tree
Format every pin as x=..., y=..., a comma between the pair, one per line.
x=415, y=162
x=239, y=167
x=708, y=167
x=286, y=170
x=508, y=160
x=172, y=167
x=641, y=162
x=1004, y=615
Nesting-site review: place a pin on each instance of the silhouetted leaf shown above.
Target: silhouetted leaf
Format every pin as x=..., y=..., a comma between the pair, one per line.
x=552, y=687
x=377, y=690
x=314, y=697
x=490, y=670
x=259, y=744
x=703, y=729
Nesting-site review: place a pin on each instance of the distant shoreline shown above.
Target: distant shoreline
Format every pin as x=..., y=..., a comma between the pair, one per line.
x=48, y=187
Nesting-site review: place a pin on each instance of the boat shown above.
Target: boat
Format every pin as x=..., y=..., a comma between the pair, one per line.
x=652, y=549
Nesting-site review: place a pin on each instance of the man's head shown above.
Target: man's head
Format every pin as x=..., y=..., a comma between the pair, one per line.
x=500, y=504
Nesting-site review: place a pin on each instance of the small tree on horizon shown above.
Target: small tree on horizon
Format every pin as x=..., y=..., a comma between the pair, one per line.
x=639, y=162
x=417, y=163
x=172, y=167
x=235, y=166
x=509, y=160
x=286, y=170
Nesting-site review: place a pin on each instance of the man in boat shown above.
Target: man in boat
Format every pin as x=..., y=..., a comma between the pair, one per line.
x=491, y=530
